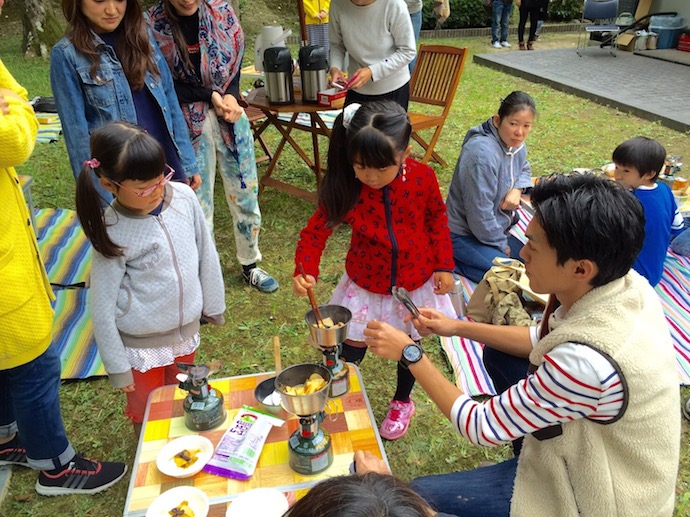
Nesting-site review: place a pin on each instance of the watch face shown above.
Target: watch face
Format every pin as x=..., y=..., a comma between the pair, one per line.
x=412, y=353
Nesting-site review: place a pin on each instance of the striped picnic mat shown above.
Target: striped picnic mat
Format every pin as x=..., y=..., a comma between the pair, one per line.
x=67, y=255
x=465, y=355
x=303, y=119
x=48, y=132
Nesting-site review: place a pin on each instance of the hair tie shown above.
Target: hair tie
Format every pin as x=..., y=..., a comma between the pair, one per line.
x=349, y=112
x=93, y=163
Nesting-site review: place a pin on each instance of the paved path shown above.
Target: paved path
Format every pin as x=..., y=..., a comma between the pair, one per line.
x=650, y=88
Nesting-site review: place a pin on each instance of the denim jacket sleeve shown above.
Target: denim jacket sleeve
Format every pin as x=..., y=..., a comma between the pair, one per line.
x=66, y=86
x=179, y=131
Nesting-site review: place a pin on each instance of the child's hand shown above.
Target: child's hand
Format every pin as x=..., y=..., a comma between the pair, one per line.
x=301, y=284
x=443, y=282
x=128, y=389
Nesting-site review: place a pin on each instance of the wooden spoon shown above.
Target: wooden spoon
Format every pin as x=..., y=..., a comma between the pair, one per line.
x=276, y=354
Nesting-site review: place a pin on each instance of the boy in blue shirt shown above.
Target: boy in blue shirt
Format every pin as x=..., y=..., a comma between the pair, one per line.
x=638, y=163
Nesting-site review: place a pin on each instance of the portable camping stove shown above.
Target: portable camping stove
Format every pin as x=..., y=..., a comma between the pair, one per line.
x=309, y=447
x=203, y=405
x=328, y=340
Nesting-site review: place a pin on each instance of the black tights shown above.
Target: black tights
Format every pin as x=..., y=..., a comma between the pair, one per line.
x=353, y=354
x=533, y=19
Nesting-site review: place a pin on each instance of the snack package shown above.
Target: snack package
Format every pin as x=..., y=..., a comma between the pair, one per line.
x=239, y=449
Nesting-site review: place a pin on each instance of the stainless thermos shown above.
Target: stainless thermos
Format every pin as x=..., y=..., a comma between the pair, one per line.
x=278, y=70
x=313, y=63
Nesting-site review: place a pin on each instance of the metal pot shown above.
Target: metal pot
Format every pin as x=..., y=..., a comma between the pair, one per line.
x=333, y=336
x=303, y=405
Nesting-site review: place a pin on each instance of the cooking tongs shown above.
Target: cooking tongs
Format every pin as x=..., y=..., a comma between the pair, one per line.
x=401, y=294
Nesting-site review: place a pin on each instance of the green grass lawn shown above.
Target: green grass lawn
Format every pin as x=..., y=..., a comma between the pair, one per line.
x=570, y=132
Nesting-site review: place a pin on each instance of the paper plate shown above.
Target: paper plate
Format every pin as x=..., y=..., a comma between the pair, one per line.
x=266, y=502
x=166, y=463
x=196, y=500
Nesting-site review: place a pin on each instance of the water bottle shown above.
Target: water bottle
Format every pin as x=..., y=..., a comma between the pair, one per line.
x=456, y=296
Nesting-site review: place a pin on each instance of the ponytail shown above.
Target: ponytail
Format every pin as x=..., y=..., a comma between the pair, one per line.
x=90, y=213
x=339, y=189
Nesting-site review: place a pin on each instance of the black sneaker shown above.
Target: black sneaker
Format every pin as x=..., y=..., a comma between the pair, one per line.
x=81, y=476
x=13, y=453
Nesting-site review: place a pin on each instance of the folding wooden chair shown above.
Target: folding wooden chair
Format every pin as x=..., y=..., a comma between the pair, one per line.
x=434, y=82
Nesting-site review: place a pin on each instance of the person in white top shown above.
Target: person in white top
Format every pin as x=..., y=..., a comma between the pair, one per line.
x=379, y=40
x=599, y=409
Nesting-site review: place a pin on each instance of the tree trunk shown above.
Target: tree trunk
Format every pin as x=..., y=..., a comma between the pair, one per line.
x=43, y=27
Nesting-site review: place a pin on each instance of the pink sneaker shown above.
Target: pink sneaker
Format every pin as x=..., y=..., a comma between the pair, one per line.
x=397, y=420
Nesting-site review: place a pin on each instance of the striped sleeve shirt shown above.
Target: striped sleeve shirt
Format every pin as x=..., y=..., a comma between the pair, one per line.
x=575, y=381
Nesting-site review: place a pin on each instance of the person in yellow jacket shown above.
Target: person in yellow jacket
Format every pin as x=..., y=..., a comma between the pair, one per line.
x=316, y=19
x=32, y=433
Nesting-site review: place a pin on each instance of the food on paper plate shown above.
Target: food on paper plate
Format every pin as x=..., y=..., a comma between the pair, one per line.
x=182, y=510
x=186, y=458
x=313, y=384
x=327, y=323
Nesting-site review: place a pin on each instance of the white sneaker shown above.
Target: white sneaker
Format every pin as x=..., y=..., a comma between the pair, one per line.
x=505, y=44
x=496, y=44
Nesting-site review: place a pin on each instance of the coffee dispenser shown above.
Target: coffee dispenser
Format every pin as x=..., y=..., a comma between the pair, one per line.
x=278, y=70
x=313, y=64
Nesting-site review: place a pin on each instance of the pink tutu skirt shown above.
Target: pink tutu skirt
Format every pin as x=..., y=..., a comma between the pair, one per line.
x=366, y=306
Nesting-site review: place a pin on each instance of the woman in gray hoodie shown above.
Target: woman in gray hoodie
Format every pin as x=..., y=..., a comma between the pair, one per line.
x=491, y=174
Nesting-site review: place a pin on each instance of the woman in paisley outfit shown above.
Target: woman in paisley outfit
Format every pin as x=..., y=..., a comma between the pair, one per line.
x=203, y=44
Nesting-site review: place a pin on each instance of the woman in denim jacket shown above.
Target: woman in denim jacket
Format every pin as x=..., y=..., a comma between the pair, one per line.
x=108, y=67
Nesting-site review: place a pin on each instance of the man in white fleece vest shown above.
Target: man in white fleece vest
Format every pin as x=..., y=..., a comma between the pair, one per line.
x=599, y=409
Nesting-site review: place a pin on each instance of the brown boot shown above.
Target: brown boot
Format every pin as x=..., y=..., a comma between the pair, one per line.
x=522, y=45
x=530, y=45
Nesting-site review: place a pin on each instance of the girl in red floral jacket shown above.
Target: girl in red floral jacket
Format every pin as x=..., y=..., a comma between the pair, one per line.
x=400, y=234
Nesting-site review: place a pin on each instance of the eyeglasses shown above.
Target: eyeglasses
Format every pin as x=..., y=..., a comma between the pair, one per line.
x=150, y=190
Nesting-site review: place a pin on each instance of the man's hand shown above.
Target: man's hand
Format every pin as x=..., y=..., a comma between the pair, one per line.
x=300, y=284
x=366, y=462
x=431, y=321
x=385, y=340
x=128, y=389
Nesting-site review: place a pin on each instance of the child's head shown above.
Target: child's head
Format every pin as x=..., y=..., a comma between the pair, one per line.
x=128, y=162
x=638, y=161
x=369, y=144
x=585, y=217
x=370, y=495
x=514, y=118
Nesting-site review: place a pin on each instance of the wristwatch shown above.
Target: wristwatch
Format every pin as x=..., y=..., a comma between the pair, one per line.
x=411, y=354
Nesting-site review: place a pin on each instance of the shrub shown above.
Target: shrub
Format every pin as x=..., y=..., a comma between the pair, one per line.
x=565, y=10
x=471, y=13
x=463, y=13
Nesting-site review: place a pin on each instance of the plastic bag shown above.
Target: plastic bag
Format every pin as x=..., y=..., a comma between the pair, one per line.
x=239, y=449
